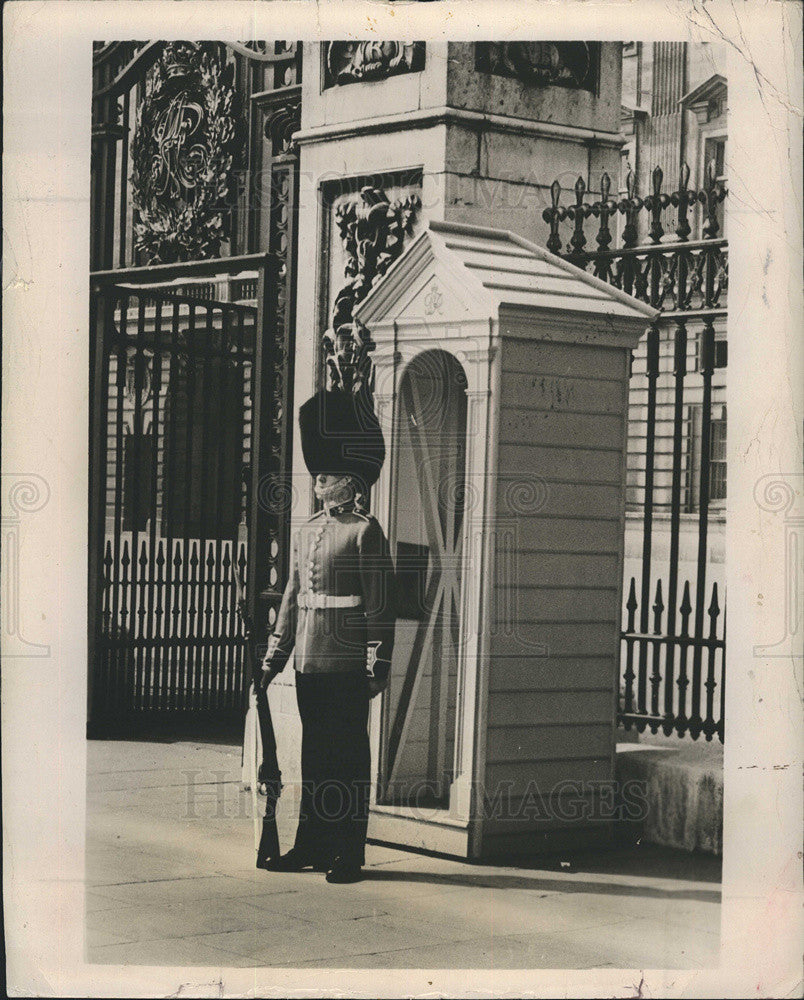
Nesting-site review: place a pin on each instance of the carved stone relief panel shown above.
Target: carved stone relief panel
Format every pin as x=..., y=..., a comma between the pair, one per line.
x=356, y=62
x=367, y=228
x=559, y=64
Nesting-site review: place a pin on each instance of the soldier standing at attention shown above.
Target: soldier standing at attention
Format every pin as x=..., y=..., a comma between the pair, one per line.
x=337, y=610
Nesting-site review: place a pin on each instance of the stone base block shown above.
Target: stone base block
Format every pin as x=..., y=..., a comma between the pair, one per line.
x=683, y=782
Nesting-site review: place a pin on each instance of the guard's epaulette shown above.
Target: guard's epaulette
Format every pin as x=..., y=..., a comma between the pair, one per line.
x=363, y=514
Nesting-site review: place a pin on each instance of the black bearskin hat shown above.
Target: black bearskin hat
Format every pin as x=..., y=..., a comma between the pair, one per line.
x=340, y=435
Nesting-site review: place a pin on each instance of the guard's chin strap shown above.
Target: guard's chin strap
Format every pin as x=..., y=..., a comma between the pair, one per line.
x=337, y=493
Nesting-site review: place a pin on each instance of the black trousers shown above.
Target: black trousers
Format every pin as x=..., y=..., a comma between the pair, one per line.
x=335, y=766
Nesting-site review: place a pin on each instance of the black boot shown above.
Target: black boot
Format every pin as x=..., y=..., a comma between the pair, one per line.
x=293, y=861
x=344, y=872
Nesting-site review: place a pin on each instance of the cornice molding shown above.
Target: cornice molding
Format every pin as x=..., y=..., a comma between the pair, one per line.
x=431, y=117
x=567, y=326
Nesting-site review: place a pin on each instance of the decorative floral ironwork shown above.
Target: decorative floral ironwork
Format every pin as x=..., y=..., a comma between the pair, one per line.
x=280, y=242
x=189, y=130
x=373, y=232
x=280, y=126
x=355, y=62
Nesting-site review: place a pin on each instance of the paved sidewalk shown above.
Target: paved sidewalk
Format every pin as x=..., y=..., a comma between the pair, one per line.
x=170, y=881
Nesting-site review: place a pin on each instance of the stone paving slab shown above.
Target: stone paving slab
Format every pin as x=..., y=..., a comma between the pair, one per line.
x=497, y=952
x=169, y=920
x=195, y=889
x=281, y=943
x=189, y=951
x=172, y=884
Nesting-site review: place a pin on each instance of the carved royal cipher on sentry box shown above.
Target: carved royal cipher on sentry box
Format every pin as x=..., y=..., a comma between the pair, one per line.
x=501, y=377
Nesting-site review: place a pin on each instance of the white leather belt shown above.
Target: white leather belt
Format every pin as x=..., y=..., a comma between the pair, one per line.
x=329, y=600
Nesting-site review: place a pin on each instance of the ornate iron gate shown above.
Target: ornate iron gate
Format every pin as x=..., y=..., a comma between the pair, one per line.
x=179, y=378
x=193, y=256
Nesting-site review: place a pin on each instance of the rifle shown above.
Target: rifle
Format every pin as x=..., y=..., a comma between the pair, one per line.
x=267, y=773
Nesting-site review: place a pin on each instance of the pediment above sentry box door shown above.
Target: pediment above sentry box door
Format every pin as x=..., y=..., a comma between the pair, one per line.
x=424, y=288
x=435, y=301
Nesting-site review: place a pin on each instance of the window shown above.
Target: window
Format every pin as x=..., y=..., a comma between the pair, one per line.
x=428, y=492
x=717, y=457
x=715, y=149
x=717, y=461
x=721, y=350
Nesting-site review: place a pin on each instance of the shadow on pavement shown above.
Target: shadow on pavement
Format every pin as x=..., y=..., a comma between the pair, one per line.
x=569, y=885
x=650, y=861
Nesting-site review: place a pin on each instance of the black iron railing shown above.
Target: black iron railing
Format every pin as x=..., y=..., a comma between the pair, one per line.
x=673, y=663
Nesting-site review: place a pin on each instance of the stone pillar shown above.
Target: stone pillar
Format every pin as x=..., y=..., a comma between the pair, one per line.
x=520, y=120
x=476, y=131
x=663, y=133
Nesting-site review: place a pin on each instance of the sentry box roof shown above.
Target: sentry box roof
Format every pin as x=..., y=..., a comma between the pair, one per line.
x=454, y=272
